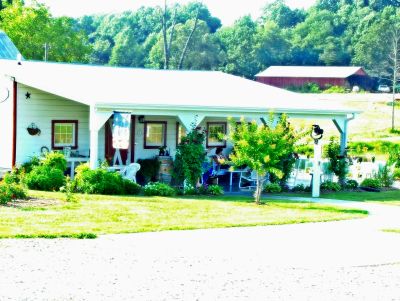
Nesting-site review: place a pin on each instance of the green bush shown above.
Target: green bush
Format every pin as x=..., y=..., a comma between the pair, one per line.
x=55, y=160
x=14, y=177
x=215, y=190
x=9, y=192
x=330, y=186
x=45, y=178
x=158, y=189
x=299, y=188
x=131, y=188
x=351, y=184
x=335, y=89
x=149, y=169
x=273, y=188
x=102, y=181
x=306, y=88
x=29, y=165
x=371, y=182
x=385, y=176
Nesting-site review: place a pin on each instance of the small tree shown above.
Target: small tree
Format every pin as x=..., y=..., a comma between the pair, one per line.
x=262, y=147
x=190, y=156
x=338, y=163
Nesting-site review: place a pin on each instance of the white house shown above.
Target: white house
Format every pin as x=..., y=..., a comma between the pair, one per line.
x=72, y=105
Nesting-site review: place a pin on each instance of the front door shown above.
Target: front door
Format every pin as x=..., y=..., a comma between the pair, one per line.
x=110, y=151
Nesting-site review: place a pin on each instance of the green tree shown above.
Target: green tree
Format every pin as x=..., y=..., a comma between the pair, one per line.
x=204, y=52
x=282, y=14
x=238, y=43
x=127, y=51
x=190, y=155
x=262, y=147
x=30, y=28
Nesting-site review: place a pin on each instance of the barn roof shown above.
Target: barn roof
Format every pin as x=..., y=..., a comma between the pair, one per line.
x=163, y=89
x=7, y=48
x=311, y=71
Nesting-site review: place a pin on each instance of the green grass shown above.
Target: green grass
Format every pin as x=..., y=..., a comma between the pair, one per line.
x=392, y=230
x=391, y=197
x=385, y=197
x=95, y=215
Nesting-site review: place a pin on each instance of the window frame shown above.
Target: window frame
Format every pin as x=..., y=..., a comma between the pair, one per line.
x=223, y=143
x=145, y=134
x=75, y=142
x=178, y=126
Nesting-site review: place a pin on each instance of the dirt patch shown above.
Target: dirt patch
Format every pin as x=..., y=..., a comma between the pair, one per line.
x=33, y=202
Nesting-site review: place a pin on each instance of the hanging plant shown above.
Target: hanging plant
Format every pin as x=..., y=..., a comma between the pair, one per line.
x=33, y=130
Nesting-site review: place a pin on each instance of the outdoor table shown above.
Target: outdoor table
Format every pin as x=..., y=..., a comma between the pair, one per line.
x=74, y=160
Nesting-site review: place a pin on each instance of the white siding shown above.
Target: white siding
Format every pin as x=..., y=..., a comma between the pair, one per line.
x=6, y=126
x=140, y=152
x=41, y=108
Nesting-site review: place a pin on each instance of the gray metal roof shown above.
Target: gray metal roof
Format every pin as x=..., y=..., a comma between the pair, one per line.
x=8, y=50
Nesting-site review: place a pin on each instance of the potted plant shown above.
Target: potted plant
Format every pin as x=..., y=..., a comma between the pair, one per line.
x=161, y=150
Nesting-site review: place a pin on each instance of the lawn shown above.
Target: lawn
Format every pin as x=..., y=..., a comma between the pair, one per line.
x=384, y=197
x=94, y=215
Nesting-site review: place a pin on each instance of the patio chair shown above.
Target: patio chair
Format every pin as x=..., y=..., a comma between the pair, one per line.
x=130, y=171
x=249, y=178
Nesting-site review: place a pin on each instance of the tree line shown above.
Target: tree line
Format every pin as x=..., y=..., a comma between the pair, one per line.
x=332, y=32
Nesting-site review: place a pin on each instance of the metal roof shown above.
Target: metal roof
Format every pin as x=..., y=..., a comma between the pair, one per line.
x=7, y=48
x=210, y=91
x=310, y=71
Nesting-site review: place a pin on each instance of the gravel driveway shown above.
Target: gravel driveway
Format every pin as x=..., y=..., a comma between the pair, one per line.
x=348, y=260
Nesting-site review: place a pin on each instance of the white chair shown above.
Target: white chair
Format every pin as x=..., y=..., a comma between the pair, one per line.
x=249, y=177
x=130, y=171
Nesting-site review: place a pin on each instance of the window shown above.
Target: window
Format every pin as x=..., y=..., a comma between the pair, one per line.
x=155, y=134
x=64, y=133
x=180, y=132
x=214, y=132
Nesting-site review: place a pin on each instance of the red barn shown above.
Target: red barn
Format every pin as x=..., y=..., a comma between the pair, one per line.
x=297, y=76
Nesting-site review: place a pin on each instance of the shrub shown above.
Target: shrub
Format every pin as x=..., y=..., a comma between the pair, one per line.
x=330, y=186
x=215, y=190
x=68, y=190
x=158, y=189
x=45, y=178
x=338, y=164
x=14, y=177
x=273, y=188
x=189, y=158
x=385, y=176
x=102, y=181
x=371, y=182
x=28, y=166
x=351, y=184
x=9, y=192
x=149, y=169
x=299, y=188
x=131, y=188
x=55, y=160
x=335, y=89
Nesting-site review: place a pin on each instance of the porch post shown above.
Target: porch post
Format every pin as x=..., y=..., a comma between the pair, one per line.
x=96, y=121
x=94, y=148
x=342, y=126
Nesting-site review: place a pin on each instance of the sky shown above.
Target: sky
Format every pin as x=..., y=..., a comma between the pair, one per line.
x=226, y=10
